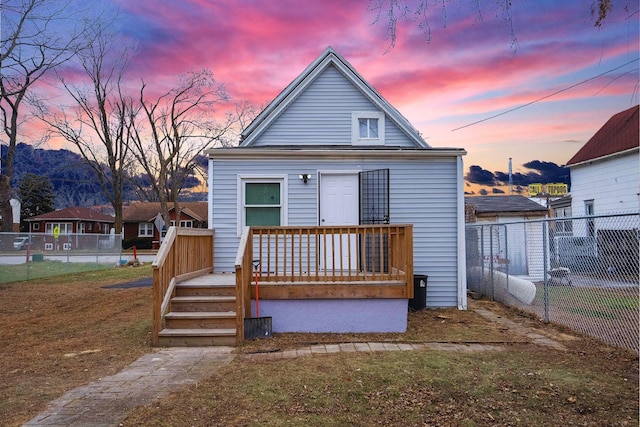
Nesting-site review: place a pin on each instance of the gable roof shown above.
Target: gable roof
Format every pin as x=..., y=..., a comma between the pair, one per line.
x=619, y=134
x=147, y=211
x=328, y=58
x=511, y=203
x=74, y=213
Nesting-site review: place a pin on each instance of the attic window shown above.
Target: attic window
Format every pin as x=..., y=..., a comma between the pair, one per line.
x=367, y=128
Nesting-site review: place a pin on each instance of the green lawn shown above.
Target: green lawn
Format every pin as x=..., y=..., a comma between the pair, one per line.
x=46, y=268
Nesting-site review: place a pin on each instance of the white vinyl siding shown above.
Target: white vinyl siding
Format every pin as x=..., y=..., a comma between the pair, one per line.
x=611, y=183
x=322, y=115
x=422, y=192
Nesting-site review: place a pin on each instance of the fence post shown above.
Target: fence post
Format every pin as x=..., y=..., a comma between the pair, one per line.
x=545, y=227
x=506, y=253
x=493, y=292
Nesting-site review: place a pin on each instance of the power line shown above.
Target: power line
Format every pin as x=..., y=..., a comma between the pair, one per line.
x=544, y=97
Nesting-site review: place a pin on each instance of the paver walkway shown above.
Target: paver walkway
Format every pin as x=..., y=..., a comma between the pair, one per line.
x=108, y=401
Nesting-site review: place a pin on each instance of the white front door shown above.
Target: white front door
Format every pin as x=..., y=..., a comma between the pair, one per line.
x=339, y=197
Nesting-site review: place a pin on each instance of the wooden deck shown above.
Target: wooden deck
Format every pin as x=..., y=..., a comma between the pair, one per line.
x=193, y=306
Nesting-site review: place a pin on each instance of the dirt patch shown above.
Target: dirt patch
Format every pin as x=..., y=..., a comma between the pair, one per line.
x=589, y=384
x=58, y=334
x=61, y=333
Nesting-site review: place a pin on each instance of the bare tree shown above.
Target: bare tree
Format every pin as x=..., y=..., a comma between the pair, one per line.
x=37, y=36
x=388, y=12
x=172, y=129
x=99, y=126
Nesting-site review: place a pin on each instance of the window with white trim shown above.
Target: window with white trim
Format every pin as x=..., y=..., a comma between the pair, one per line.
x=35, y=226
x=183, y=223
x=563, y=226
x=145, y=229
x=262, y=202
x=63, y=227
x=367, y=128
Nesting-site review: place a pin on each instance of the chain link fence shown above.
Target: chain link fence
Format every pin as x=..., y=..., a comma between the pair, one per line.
x=581, y=272
x=25, y=256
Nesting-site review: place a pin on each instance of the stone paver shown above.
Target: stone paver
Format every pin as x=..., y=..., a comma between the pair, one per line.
x=108, y=401
x=519, y=329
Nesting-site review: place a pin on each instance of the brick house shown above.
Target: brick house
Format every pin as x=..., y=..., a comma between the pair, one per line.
x=138, y=221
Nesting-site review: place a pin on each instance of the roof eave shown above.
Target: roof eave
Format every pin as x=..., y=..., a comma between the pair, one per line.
x=262, y=153
x=608, y=156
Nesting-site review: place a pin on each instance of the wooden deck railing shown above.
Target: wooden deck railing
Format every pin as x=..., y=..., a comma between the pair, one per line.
x=243, y=282
x=333, y=254
x=185, y=253
x=321, y=258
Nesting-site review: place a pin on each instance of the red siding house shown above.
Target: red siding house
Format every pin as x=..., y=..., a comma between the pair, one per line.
x=71, y=221
x=138, y=221
x=71, y=228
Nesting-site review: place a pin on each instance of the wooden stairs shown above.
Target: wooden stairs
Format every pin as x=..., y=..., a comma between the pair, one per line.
x=202, y=313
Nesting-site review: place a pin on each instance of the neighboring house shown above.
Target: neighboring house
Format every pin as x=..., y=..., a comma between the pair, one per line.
x=518, y=244
x=330, y=150
x=605, y=177
x=72, y=220
x=139, y=218
x=605, y=172
x=65, y=222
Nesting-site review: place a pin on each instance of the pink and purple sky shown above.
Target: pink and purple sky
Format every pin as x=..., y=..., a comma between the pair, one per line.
x=468, y=72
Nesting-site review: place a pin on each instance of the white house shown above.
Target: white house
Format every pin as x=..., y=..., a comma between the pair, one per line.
x=605, y=172
x=329, y=150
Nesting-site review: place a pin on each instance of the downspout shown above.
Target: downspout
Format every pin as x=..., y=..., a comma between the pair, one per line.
x=210, y=194
x=210, y=205
x=462, y=257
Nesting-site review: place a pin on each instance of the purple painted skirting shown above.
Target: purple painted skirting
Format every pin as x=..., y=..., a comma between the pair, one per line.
x=337, y=316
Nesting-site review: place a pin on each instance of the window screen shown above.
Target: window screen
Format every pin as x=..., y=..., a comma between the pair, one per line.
x=262, y=203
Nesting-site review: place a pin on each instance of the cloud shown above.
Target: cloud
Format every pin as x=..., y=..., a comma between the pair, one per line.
x=540, y=172
x=477, y=175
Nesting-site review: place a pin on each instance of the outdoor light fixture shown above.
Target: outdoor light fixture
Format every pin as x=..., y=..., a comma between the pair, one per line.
x=305, y=177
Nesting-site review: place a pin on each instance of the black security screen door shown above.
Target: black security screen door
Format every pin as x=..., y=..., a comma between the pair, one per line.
x=374, y=197
x=374, y=209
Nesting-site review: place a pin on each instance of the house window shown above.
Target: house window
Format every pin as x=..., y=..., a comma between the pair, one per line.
x=589, y=210
x=183, y=223
x=262, y=202
x=563, y=226
x=367, y=128
x=81, y=227
x=63, y=227
x=145, y=229
x=35, y=226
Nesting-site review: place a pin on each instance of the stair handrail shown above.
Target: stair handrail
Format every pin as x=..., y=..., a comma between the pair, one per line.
x=243, y=267
x=170, y=268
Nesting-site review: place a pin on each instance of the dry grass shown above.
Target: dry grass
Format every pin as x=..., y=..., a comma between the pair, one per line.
x=64, y=332
x=524, y=386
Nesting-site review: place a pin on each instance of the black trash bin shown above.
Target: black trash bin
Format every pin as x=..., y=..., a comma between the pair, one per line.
x=419, y=300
